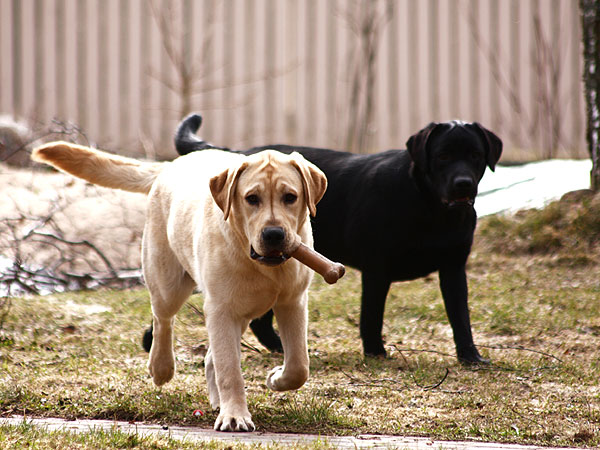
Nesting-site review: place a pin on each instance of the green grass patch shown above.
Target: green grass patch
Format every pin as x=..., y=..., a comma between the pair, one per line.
x=27, y=436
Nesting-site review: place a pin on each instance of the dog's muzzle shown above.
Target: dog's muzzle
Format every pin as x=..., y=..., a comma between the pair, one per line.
x=463, y=192
x=270, y=259
x=273, y=240
x=458, y=202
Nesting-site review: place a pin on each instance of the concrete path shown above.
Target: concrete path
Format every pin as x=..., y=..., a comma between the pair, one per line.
x=195, y=434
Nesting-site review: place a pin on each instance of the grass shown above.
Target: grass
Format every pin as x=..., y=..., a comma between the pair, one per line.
x=27, y=436
x=534, y=311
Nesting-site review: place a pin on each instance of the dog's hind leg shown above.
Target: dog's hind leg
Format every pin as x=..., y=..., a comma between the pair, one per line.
x=211, y=380
x=265, y=333
x=292, y=321
x=374, y=291
x=170, y=286
x=147, y=338
x=161, y=362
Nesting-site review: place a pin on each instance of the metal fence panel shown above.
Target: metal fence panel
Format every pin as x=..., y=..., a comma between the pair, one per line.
x=360, y=75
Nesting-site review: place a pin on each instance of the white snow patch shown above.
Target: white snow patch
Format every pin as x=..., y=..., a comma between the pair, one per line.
x=532, y=185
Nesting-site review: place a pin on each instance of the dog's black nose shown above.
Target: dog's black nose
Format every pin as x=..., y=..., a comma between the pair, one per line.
x=273, y=236
x=463, y=183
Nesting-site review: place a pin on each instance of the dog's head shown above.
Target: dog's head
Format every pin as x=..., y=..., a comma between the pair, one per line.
x=452, y=157
x=267, y=199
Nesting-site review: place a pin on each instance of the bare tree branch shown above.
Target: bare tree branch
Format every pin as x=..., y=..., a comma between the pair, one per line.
x=36, y=256
x=366, y=21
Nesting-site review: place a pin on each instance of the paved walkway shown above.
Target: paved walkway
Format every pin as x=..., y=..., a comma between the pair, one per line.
x=196, y=434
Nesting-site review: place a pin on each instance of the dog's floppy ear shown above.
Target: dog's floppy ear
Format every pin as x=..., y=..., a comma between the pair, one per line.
x=314, y=181
x=494, y=145
x=417, y=145
x=222, y=187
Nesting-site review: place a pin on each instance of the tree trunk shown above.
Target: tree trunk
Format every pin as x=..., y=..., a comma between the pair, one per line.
x=590, y=15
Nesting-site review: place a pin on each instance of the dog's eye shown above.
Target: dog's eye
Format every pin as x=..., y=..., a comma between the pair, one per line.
x=289, y=199
x=252, y=199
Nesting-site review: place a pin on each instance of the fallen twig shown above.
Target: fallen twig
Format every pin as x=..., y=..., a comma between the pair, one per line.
x=521, y=348
x=249, y=346
x=380, y=382
x=432, y=386
x=418, y=350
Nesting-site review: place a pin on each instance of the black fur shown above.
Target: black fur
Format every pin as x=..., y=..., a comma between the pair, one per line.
x=395, y=216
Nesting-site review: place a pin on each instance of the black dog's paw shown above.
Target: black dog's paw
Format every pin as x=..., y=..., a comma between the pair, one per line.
x=374, y=351
x=471, y=357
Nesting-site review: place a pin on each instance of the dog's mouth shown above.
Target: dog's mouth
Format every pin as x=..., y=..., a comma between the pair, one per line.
x=273, y=258
x=459, y=202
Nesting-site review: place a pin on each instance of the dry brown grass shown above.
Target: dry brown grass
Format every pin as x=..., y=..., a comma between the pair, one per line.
x=535, y=315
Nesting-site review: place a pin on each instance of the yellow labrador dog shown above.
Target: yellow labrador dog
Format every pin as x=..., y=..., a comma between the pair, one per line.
x=226, y=223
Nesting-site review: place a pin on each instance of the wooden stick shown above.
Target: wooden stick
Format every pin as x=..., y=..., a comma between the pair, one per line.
x=329, y=270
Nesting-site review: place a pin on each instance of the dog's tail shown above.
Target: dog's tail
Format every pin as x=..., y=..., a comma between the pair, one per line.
x=186, y=140
x=99, y=167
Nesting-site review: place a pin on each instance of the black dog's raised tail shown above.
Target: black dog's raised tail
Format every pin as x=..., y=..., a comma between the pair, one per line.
x=186, y=140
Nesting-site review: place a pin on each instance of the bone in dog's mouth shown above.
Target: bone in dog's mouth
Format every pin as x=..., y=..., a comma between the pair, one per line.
x=273, y=258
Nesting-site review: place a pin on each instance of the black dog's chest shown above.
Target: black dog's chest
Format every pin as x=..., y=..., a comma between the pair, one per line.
x=420, y=258
x=419, y=255
x=404, y=249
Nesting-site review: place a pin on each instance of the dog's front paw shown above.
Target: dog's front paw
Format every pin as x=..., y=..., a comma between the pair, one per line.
x=469, y=355
x=274, y=379
x=228, y=422
x=280, y=379
x=161, y=369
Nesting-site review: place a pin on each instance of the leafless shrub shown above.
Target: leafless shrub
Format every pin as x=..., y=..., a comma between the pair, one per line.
x=38, y=259
x=548, y=67
x=367, y=21
x=58, y=233
x=17, y=138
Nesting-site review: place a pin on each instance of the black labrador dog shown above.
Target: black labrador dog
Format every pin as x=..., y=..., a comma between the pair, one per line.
x=395, y=216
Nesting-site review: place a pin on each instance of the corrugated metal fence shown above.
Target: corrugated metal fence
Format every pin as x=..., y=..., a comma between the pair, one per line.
x=353, y=74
